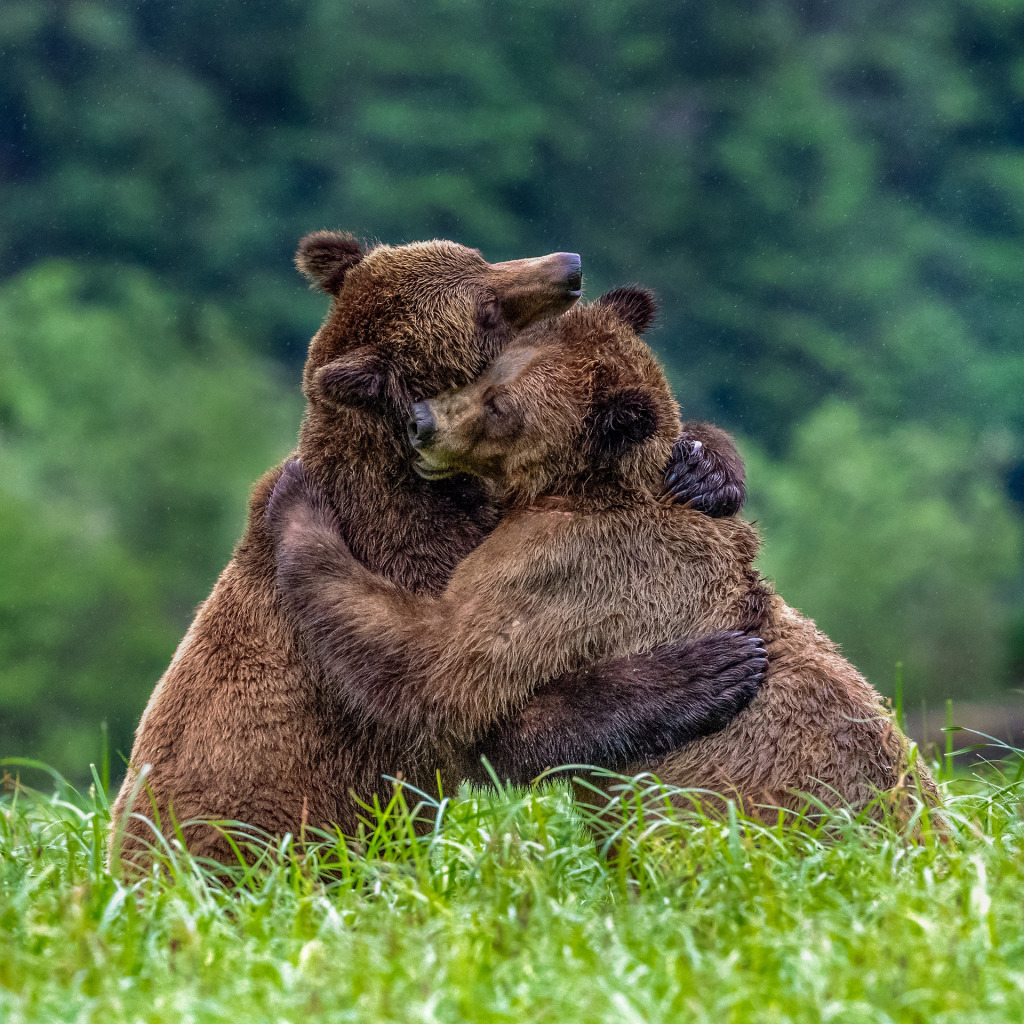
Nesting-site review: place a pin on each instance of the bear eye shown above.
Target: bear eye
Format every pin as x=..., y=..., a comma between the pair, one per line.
x=493, y=408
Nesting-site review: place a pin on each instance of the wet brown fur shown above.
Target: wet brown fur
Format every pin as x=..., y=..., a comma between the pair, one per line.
x=244, y=726
x=573, y=423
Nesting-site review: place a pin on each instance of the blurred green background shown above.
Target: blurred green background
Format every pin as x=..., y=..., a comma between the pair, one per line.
x=828, y=197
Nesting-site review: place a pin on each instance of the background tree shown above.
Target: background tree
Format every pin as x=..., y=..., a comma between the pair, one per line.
x=826, y=196
x=133, y=425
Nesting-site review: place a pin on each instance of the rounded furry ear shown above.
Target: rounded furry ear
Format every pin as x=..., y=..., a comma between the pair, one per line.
x=619, y=420
x=636, y=306
x=325, y=257
x=359, y=378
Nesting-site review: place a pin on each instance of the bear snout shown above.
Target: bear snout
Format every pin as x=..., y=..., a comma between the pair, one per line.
x=421, y=426
x=570, y=266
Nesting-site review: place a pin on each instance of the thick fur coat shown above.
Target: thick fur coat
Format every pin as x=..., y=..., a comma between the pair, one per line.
x=244, y=725
x=573, y=424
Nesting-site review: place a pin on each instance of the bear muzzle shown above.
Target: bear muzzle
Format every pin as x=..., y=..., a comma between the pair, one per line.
x=421, y=426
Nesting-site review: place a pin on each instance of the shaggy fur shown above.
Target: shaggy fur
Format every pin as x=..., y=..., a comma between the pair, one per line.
x=573, y=423
x=244, y=726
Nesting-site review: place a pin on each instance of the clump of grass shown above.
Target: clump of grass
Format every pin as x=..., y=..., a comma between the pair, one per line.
x=502, y=906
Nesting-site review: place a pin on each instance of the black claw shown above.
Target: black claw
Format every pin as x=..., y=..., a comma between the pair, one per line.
x=700, y=481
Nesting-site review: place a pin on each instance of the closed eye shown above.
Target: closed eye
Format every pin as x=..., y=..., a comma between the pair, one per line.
x=502, y=416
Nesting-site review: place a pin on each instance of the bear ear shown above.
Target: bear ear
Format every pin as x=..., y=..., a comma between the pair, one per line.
x=325, y=257
x=636, y=306
x=621, y=419
x=359, y=378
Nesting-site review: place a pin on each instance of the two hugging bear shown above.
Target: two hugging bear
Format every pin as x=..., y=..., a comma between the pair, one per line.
x=500, y=574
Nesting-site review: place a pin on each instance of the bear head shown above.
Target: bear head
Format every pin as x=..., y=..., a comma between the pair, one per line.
x=409, y=321
x=575, y=406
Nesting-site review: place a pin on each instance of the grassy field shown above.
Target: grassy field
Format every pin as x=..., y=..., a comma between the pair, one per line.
x=506, y=911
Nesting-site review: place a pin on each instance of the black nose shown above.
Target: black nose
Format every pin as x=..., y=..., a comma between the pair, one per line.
x=572, y=268
x=421, y=425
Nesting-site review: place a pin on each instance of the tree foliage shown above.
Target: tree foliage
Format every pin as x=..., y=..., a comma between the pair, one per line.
x=826, y=196
x=132, y=427
x=899, y=542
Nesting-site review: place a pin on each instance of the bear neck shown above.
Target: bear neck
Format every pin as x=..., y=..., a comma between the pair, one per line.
x=584, y=494
x=398, y=525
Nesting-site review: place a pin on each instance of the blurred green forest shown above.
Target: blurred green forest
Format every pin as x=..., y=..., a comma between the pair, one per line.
x=828, y=198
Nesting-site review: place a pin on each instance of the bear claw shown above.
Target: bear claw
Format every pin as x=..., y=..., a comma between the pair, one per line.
x=700, y=479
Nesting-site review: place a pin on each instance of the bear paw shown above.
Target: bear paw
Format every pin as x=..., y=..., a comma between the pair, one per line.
x=732, y=669
x=702, y=479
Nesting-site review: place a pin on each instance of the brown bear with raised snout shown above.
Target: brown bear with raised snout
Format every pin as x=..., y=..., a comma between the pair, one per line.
x=572, y=425
x=244, y=725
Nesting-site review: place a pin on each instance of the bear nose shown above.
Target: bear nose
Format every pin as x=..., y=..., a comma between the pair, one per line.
x=571, y=267
x=422, y=425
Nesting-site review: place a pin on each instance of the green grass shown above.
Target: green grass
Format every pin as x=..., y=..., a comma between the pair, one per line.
x=506, y=911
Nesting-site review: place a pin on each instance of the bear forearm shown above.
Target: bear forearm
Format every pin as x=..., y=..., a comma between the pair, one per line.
x=405, y=663
x=374, y=667
x=628, y=710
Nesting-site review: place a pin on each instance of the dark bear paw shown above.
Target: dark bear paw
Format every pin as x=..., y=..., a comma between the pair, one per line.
x=733, y=667
x=712, y=680
x=703, y=479
x=297, y=505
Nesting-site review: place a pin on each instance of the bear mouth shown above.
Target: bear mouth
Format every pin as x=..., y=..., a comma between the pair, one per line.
x=428, y=472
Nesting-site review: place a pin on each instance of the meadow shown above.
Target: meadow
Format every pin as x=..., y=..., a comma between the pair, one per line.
x=506, y=909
